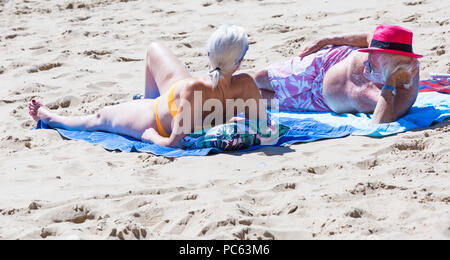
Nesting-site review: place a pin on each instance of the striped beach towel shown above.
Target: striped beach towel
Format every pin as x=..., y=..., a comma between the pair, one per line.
x=439, y=85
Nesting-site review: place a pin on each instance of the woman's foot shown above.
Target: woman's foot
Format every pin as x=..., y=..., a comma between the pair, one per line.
x=39, y=111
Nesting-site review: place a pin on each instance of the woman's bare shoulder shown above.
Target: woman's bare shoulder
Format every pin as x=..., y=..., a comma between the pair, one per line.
x=243, y=81
x=195, y=84
x=242, y=78
x=198, y=84
x=246, y=86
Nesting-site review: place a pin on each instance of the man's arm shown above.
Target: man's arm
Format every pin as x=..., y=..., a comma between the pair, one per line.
x=361, y=40
x=389, y=107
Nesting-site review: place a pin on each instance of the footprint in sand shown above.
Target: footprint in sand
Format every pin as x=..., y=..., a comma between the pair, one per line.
x=19, y=29
x=129, y=233
x=48, y=232
x=36, y=47
x=242, y=234
x=64, y=102
x=295, y=43
x=185, y=44
x=413, y=3
x=97, y=55
x=125, y=76
x=80, y=19
x=368, y=164
x=318, y=170
x=151, y=160
x=372, y=187
x=278, y=28
x=440, y=50
x=44, y=67
x=10, y=37
x=27, y=125
x=254, y=234
x=77, y=214
x=442, y=23
x=184, y=197
x=34, y=206
x=284, y=187
x=356, y=213
x=36, y=88
x=125, y=59
x=412, y=145
x=412, y=18
x=101, y=85
x=15, y=143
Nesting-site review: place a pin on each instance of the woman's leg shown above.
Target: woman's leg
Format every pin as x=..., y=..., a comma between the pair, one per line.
x=163, y=69
x=84, y=123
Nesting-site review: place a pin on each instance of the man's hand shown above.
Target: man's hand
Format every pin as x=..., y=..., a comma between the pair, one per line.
x=399, y=79
x=313, y=48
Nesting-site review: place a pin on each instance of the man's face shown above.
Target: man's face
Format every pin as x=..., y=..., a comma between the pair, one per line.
x=371, y=71
x=382, y=65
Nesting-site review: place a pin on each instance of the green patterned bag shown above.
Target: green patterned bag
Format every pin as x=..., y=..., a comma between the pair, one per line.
x=234, y=136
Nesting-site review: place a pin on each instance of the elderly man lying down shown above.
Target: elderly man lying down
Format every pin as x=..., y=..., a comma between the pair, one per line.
x=381, y=78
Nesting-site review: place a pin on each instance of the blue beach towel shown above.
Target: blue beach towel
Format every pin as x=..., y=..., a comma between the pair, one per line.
x=429, y=108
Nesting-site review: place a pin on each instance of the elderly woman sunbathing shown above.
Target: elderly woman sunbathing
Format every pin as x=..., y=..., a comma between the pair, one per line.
x=175, y=103
x=382, y=79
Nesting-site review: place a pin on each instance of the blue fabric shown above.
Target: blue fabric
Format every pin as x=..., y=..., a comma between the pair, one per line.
x=429, y=108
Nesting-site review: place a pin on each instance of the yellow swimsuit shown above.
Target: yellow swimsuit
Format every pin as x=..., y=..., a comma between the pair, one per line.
x=173, y=109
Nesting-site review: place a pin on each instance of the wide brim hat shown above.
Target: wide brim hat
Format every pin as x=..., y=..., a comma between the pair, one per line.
x=392, y=39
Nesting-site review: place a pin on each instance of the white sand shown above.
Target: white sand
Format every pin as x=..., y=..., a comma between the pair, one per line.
x=350, y=188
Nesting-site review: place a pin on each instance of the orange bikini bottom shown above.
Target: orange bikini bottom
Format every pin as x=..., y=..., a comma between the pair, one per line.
x=173, y=109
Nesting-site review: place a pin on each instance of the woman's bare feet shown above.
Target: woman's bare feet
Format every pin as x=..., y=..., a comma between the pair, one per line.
x=39, y=111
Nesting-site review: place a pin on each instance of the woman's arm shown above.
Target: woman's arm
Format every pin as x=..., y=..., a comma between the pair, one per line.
x=152, y=136
x=254, y=95
x=361, y=40
x=182, y=126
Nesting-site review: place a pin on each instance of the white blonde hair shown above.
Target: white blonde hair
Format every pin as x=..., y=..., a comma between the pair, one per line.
x=390, y=63
x=226, y=47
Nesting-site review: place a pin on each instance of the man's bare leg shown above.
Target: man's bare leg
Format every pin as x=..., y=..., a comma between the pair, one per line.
x=163, y=69
x=262, y=81
x=267, y=94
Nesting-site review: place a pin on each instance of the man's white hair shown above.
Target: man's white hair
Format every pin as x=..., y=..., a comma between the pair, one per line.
x=390, y=63
x=226, y=48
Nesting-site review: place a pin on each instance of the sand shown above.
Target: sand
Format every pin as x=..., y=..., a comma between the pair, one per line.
x=78, y=56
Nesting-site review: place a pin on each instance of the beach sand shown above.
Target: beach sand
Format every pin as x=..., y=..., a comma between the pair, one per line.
x=79, y=56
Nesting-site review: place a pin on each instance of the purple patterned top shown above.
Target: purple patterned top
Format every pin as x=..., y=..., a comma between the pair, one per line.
x=298, y=82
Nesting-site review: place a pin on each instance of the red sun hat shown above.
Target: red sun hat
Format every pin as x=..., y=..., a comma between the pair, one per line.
x=392, y=39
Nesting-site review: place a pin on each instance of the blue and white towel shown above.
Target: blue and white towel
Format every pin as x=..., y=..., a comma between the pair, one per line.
x=429, y=108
